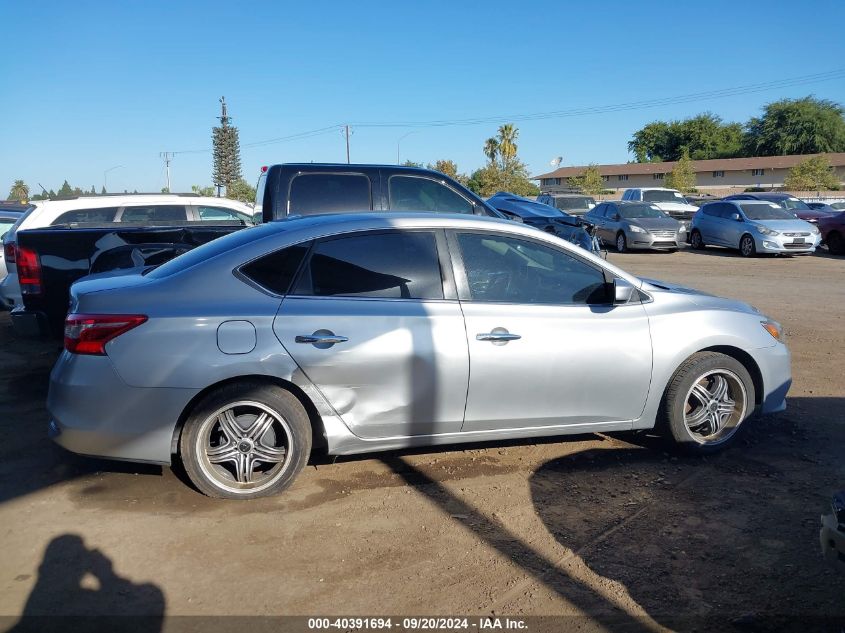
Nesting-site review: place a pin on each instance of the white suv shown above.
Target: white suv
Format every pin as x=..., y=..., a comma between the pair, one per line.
x=148, y=209
x=669, y=200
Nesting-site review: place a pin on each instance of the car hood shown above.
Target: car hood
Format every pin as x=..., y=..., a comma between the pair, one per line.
x=675, y=206
x=785, y=225
x=659, y=224
x=698, y=297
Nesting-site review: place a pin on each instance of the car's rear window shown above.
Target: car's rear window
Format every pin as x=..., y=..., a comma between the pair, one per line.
x=103, y=214
x=329, y=193
x=212, y=249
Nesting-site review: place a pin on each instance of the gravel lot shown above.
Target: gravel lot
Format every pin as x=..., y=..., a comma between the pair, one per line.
x=611, y=527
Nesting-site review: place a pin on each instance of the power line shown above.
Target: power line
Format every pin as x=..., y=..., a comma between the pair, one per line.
x=722, y=93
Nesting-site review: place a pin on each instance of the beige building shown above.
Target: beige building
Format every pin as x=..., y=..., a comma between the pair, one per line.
x=719, y=176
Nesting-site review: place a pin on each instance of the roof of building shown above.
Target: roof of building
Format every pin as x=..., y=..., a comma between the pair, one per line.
x=715, y=164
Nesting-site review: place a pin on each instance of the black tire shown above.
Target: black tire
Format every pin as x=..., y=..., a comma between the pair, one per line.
x=835, y=243
x=286, y=442
x=747, y=247
x=696, y=241
x=697, y=371
x=621, y=242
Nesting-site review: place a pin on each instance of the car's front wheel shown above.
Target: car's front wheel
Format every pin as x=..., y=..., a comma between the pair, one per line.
x=706, y=402
x=246, y=440
x=621, y=242
x=747, y=247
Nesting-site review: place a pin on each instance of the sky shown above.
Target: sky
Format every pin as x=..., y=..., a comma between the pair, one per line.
x=87, y=87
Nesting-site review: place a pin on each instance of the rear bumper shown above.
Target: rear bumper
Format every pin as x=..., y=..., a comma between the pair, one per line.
x=93, y=412
x=29, y=324
x=10, y=292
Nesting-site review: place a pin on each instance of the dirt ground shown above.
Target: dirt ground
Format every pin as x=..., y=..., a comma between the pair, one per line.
x=611, y=528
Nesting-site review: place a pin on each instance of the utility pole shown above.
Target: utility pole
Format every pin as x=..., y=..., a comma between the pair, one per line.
x=347, y=144
x=167, y=157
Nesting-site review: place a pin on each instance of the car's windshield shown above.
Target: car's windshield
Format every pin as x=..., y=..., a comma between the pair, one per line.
x=575, y=202
x=794, y=203
x=661, y=195
x=766, y=212
x=630, y=211
x=838, y=205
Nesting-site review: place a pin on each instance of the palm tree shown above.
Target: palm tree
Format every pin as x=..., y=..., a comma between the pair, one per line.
x=491, y=149
x=19, y=191
x=507, y=142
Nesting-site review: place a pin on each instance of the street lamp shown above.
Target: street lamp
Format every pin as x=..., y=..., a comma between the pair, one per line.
x=105, y=182
x=399, y=141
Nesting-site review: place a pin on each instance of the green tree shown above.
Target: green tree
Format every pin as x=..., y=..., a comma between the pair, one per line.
x=507, y=143
x=65, y=190
x=703, y=136
x=226, y=150
x=103, y=191
x=812, y=174
x=448, y=167
x=241, y=190
x=202, y=191
x=19, y=191
x=491, y=149
x=796, y=126
x=486, y=181
x=165, y=190
x=93, y=191
x=504, y=171
x=682, y=176
x=589, y=182
x=411, y=163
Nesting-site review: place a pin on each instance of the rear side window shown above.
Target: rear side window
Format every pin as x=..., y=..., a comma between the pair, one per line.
x=411, y=193
x=276, y=271
x=105, y=214
x=329, y=193
x=154, y=213
x=394, y=265
x=214, y=214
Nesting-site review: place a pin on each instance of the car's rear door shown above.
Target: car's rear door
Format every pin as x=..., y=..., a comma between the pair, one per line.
x=547, y=348
x=374, y=323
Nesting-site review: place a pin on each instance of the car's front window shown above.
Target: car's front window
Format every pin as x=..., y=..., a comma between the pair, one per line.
x=658, y=195
x=510, y=270
x=766, y=212
x=640, y=211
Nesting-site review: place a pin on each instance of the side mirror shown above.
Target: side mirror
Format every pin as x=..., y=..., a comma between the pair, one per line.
x=622, y=291
x=736, y=217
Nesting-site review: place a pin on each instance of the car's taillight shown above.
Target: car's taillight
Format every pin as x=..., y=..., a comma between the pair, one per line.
x=9, y=252
x=29, y=270
x=89, y=333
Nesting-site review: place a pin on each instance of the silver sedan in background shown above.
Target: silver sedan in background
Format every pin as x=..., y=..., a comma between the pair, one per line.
x=357, y=333
x=636, y=225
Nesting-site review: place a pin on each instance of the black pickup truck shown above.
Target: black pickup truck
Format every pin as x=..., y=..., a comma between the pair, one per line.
x=58, y=256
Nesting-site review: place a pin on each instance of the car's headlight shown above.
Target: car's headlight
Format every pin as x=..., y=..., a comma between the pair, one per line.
x=774, y=328
x=814, y=229
x=636, y=229
x=682, y=228
x=766, y=231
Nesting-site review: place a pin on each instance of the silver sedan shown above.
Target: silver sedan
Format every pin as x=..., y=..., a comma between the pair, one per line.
x=636, y=225
x=371, y=332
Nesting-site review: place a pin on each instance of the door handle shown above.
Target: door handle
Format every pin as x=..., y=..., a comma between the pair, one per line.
x=497, y=337
x=320, y=339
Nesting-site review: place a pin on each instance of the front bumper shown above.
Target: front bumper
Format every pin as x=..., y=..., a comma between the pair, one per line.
x=783, y=244
x=655, y=241
x=775, y=365
x=93, y=412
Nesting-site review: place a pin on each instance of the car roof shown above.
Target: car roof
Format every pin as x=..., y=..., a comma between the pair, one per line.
x=569, y=195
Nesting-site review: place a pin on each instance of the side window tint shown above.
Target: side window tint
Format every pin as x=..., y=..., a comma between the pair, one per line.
x=105, y=214
x=396, y=265
x=329, y=193
x=276, y=271
x=410, y=193
x=154, y=213
x=213, y=214
x=504, y=269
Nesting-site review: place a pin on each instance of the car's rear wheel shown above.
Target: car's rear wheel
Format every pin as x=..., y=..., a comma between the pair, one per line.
x=835, y=243
x=621, y=242
x=706, y=402
x=696, y=241
x=747, y=248
x=246, y=440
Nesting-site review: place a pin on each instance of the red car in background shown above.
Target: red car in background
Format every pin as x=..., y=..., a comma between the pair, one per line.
x=833, y=232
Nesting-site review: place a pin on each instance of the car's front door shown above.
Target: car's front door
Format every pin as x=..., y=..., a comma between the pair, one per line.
x=547, y=347
x=376, y=326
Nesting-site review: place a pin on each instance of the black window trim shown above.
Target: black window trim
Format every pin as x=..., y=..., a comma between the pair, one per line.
x=118, y=217
x=465, y=296
x=300, y=174
x=472, y=205
x=447, y=278
x=239, y=274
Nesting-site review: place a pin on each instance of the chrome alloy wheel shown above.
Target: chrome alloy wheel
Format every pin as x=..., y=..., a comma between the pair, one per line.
x=715, y=406
x=244, y=446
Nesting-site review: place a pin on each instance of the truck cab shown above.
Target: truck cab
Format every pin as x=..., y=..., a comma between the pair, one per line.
x=671, y=201
x=295, y=189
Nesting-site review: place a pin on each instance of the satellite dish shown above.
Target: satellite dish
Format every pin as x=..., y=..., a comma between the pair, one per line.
x=555, y=162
